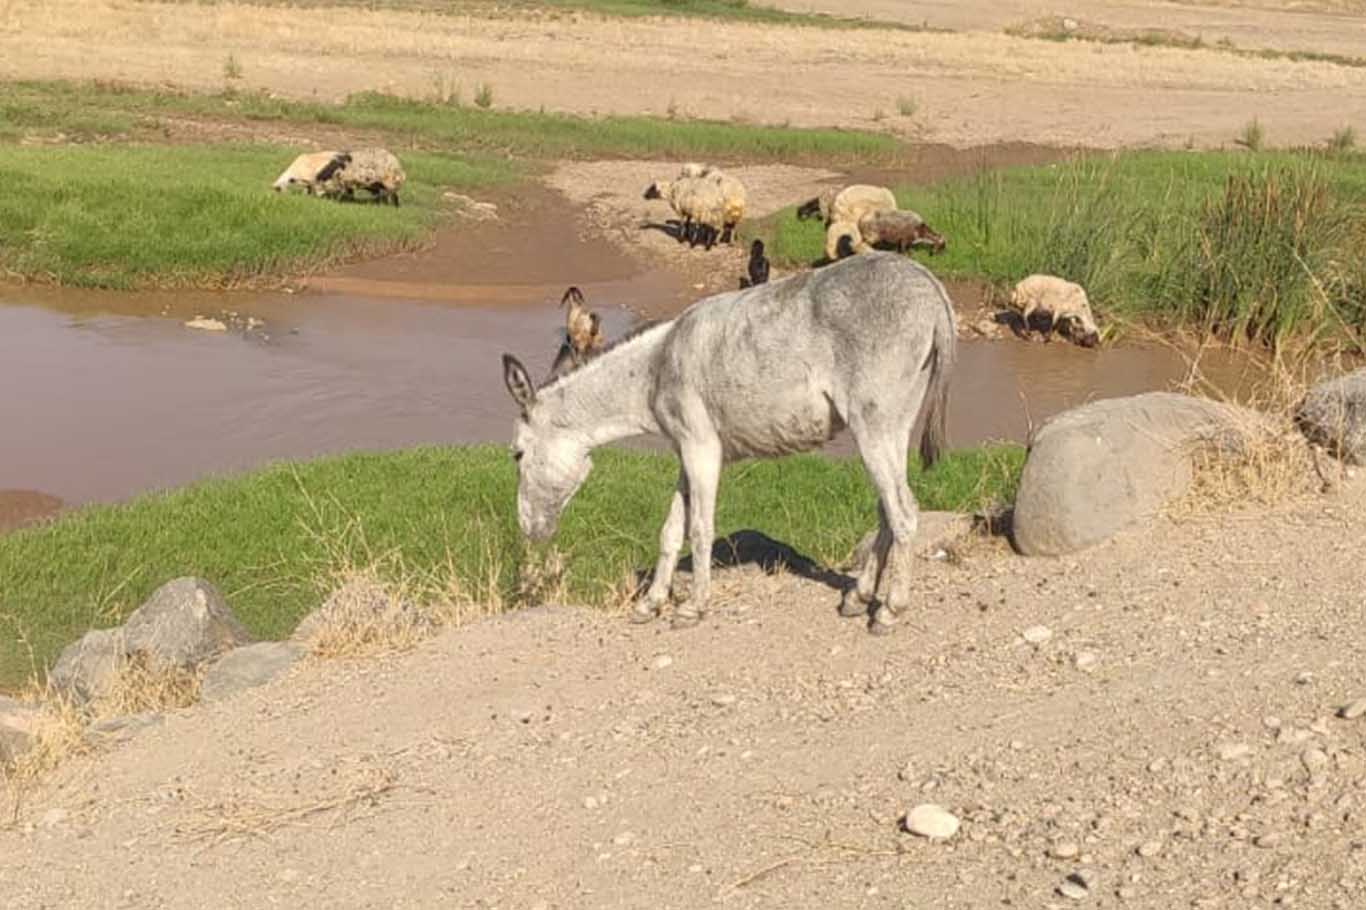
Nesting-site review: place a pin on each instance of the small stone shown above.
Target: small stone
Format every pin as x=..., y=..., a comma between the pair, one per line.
x=1075, y=887
x=624, y=839
x=1304, y=678
x=1315, y=761
x=1037, y=635
x=205, y=324
x=1268, y=840
x=1064, y=850
x=290, y=875
x=1354, y=710
x=1271, y=723
x=590, y=802
x=663, y=661
x=931, y=821
x=1017, y=745
x=1233, y=751
x=723, y=700
x=1149, y=848
x=1292, y=736
x=1126, y=893
x=1085, y=661
x=1157, y=765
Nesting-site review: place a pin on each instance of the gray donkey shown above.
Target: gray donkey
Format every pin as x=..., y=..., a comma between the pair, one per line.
x=867, y=343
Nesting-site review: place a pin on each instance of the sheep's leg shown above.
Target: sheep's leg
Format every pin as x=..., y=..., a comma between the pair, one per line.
x=670, y=543
x=711, y=236
x=702, y=465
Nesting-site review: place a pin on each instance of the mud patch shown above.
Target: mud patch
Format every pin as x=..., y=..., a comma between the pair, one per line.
x=24, y=507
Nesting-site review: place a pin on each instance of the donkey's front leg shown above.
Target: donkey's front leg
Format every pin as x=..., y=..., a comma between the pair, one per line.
x=670, y=542
x=702, y=465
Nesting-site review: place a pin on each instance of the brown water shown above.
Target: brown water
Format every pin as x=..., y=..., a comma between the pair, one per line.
x=108, y=395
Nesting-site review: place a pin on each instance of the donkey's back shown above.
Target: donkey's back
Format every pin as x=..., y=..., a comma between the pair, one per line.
x=785, y=366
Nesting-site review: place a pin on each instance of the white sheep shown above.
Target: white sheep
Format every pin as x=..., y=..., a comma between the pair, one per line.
x=311, y=170
x=843, y=239
x=1064, y=301
x=819, y=206
x=375, y=170
x=709, y=203
x=853, y=202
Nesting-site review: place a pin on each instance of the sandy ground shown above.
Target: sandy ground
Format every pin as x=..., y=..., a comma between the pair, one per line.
x=968, y=87
x=1173, y=741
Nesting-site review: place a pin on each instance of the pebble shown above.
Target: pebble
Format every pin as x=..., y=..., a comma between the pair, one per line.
x=1315, y=761
x=1037, y=635
x=1149, y=848
x=1075, y=887
x=1304, y=678
x=1086, y=660
x=1354, y=710
x=723, y=700
x=934, y=822
x=1234, y=751
x=207, y=325
x=663, y=661
x=624, y=839
x=1291, y=736
x=1268, y=840
x=1065, y=850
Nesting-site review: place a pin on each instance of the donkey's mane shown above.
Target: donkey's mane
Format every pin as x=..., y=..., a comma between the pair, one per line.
x=632, y=335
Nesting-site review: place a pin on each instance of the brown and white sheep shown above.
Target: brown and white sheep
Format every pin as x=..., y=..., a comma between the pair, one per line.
x=899, y=230
x=1064, y=302
x=311, y=170
x=375, y=170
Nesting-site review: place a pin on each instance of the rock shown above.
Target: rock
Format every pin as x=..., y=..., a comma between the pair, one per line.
x=1268, y=840
x=1064, y=850
x=205, y=324
x=1037, y=635
x=123, y=728
x=248, y=667
x=723, y=700
x=184, y=623
x=931, y=821
x=1085, y=661
x=1149, y=848
x=1315, y=761
x=1099, y=468
x=365, y=607
x=1333, y=415
x=1233, y=751
x=1353, y=710
x=88, y=667
x=1075, y=887
x=18, y=729
x=662, y=661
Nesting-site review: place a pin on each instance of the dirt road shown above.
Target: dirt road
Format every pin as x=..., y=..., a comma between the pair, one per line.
x=969, y=87
x=1169, y=737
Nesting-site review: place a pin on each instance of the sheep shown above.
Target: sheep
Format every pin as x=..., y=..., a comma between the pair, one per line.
x=843, y=239
x=758, y=264
x=583, y=334
x=709, y=205
x=1063, y=301
x=853, y=202
x=311, y=170
x=898, y=230
x=372, y=169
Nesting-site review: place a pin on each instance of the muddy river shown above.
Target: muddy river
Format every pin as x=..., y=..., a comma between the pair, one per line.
x=108, y=395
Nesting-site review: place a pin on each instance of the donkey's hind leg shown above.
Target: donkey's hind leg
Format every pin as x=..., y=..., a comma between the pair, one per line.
x=869, y=562
x=883, y=450
x=670, y=542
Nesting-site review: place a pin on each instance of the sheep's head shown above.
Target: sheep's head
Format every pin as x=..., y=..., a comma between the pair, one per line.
x=1082, y=330
x=844, y=247
x=926, y=237
x=657, y=189
x=811, y=208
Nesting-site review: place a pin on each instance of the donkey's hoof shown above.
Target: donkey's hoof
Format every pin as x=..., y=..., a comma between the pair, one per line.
x=686, y=619
x=851, y=605
x=642, y=613
x=878, y=627
x=883, y=621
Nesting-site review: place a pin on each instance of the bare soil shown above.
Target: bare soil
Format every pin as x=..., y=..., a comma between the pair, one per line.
x=969, y=87
x=1171, y=739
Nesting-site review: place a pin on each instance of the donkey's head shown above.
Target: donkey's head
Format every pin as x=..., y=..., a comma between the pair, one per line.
x=552, y=461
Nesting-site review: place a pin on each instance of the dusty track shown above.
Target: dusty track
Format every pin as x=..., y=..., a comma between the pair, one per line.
x=561, y=758
x=971, y=87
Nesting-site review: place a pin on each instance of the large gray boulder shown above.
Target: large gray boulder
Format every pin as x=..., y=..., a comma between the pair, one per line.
x=18, y=729
x=184, y=623
x=249, y=667
x=1096, y=469
x=88, y=667
x=1333, y=415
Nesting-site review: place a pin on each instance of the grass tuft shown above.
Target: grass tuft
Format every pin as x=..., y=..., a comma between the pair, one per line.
x=1252, y=136
x=1342, y=141
x=483, y=96
x=907, y=106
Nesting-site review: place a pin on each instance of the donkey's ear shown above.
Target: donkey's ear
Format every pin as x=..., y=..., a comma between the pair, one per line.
x=518, y=382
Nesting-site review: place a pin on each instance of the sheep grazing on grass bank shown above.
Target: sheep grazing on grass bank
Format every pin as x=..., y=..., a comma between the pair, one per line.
x=374, y=170
x=819, y=207
x=899, y=230
x=852, y=203
x=1064, y=302
x=312, y=171
x=709, y=203
x=583, y=338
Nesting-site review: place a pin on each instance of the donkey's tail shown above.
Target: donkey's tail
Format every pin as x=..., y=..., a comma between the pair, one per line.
x=935, y=406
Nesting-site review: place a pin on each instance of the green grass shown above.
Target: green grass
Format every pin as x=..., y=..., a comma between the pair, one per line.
x=1266, y=246
x=125, y=216
x=266, y=538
